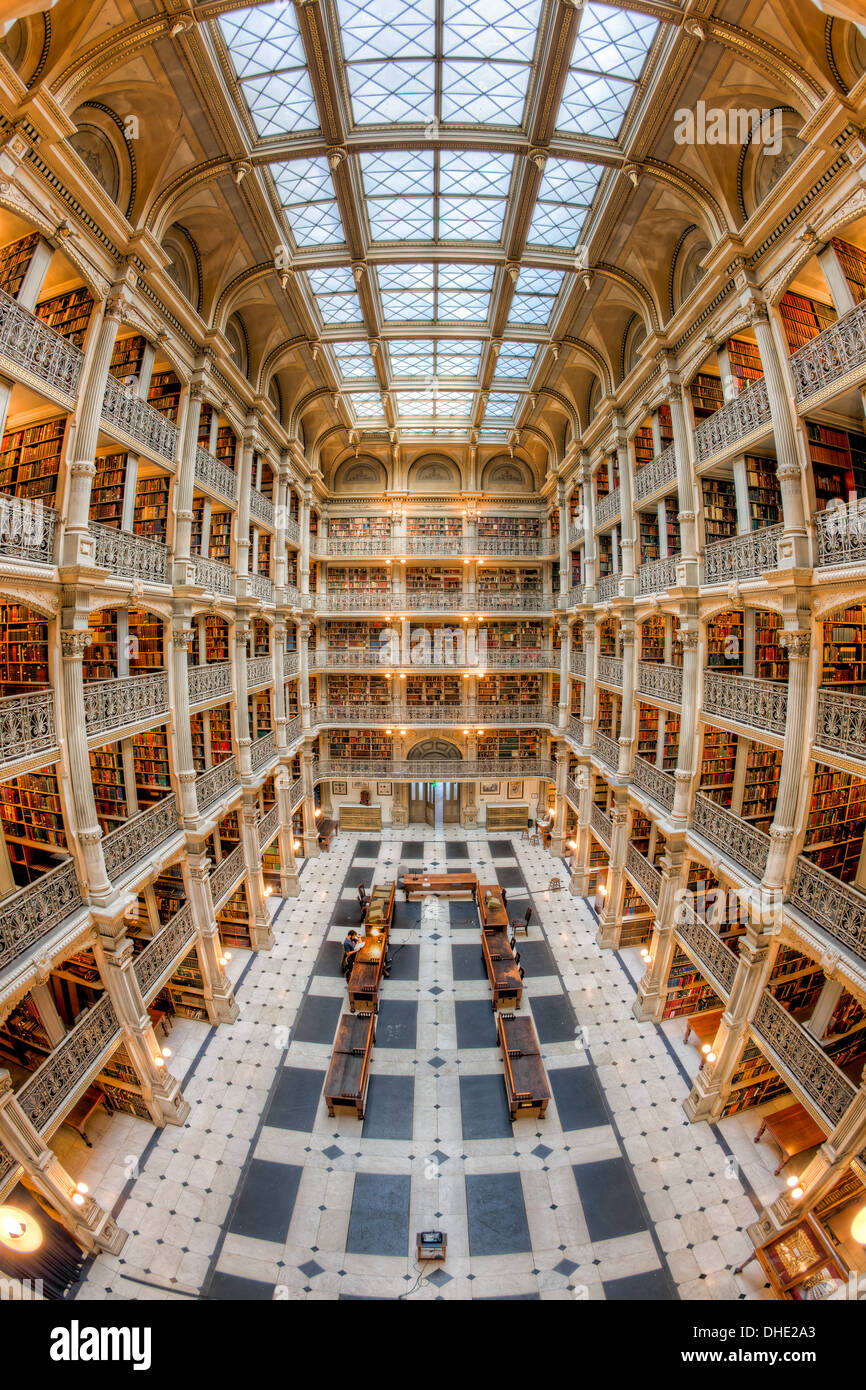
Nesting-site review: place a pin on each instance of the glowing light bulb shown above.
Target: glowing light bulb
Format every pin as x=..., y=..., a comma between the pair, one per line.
x=82, y=1188
x=78, y=1199
x=14, y=1229
x=796, y=1193
x=711, y=1056
x=166, y=1052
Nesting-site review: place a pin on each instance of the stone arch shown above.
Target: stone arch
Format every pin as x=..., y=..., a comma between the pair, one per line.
x=434, y=473
x=503, y=474
x=361, y=474
x=101, y=141
x=435, y=748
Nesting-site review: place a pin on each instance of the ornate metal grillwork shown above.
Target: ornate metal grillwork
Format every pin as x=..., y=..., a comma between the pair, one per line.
x=840, y=533
x=53, y=1084
x=212, y=681
x=834, y=354
x=657, y=784
x=138, y=836
x=609, y=670
x=132, y=416
x=212, y=473
x=30, y=913
x=746, y=845
x=261, y=507
x=744, y=416
x=226, y=874
x=260, y=671
x=842, y=723
x=645, y=875
x=803, y=1058
x=129, y=557
x=212, y=784
x=262, y=751
x=742, y=557
x=657, y=575
x=160, y=958
x=34, y=347
x=125, y=700
x=606, y=749
x=834, y=905
x=28, y=530
x=26, y=725
x=268, y=826
x=661, y=682
x=608, y=508
x=719, y=963
x=601, y=825
x=759, y=703
x=214, y=576
x=656, y=475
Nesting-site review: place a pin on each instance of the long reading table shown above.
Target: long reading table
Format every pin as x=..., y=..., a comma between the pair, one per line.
x=525, y=1079
x=349, y=1072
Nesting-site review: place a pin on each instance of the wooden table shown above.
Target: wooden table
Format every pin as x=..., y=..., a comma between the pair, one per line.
x=794, y=1131
x=380, y=908
x=442, y=884
x=525, y=1078
x=506, y=984
x=349, y=1072
x=704, y=1026
x=83, y=1108
x=491, y=908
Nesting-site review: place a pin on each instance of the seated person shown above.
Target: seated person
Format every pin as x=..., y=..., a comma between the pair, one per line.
x=362, y=894
x=351, y=947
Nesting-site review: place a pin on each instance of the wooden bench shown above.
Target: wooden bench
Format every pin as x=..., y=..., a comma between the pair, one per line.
x=349, y=1072
x=503, y=975
x=526, y=1085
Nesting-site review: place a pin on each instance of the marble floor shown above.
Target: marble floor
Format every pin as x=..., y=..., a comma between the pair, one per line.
x=259, y=1195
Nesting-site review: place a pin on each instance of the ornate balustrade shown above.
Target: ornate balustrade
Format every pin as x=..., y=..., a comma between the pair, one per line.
x=645, y=875
x=139, y=836
x=227, y=874
x=435, y=769
x=33, y=911
x=28, y=530
x=657, y=784
x=746, y=415
x=803, y=1059
x=656, y=476
x=37, y=350
x=575, y=728
x=296, y=793
x=432, y=600
x=213, y=681
x=268, y=826
x=572, y=790
x=601, y=824
x=26, y=725
x=835, y=354
x=293, y=596
x=159, y=960
x=261, y=507
x=292, y=663
x=213, y=783
x=741, y=841
x=260, y=586
x=446, y=714
x=742, y=557
x=840, y=533
x=608, y=586
x=836, y=906
x=746, y=700
x=608, y=508
x=701, y=941
x=575, y=534
x=841, y=724
x=577, y=664
x=215, y=475
x=260, y=671
x=262, y=751
x=51, y=1090
x=660, y=682
x=112, y=704
x=128, y=414
x=575, y=596
x=293, y=532
x=657, y=575
x=609, y=670
x=127, y=556
x=214, y=576
x=607, y=749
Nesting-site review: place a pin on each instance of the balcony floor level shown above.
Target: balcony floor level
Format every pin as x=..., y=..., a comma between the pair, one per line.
x=612, y=1195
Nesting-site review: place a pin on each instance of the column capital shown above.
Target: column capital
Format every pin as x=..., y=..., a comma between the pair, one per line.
x=73, y=642
x=797, y=643
x=182, y=637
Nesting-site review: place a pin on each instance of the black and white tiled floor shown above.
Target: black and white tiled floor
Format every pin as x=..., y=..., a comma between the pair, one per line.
x=260, y=1195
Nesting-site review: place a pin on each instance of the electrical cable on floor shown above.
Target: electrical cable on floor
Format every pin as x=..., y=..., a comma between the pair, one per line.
x=419, y=1284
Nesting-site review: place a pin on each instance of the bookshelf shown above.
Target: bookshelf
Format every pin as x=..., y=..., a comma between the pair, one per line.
x=605, y=554
x=23, y=649
x=508, y=636
x=838, y=463
x=648, y=523
x=263, y=552
x=151, y=506
x=233, y=921
x=432, y=690
x=365, y=578
x=718, y=762
x=687, y=991
x=434, y=527
x=109, y=787
x=836, y=822
x=227, y=446
x=844, y=650
x=260, y=638
x=427, y=577
x=672, y=526
x=220, y=733
x=196, y=724
x=359, y=743
x=720, y=509
x=164, y=394
x=127, y=356
x=706, y=395
x=765, y=494
x=184, y=994
x=196, y=533
x=641, y=828
x=14, y=261
x=803, y=318
x=366, y=528
x=653, y=639
x=647, y=732
x=68, y=314
x=517, y=743
x=216, y=636
x=637, y=918
x=260, y=713
x=761, y=785
x=725, y=643
x=607, y=637
x=509, y=528
x=205, y=420
x=853, y=262
x=771, y=663
x=670, y=746
x=229, y=833
x=796, y=981
x=146, y=641
x=106, y=496
x=120, y=1083
x=220, y=547
x=522, y=688
x=644, y=451
x=30, y=459
x=33, y=823
x=754, y=1081
x=169, y=893
x=607, y=722
x=150, y=758
x=100, y=655
x=745, y=361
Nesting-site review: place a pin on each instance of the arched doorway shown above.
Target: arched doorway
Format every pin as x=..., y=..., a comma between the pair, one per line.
x=436, y=802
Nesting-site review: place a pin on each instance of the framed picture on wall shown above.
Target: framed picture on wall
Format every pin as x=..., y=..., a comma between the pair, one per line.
x=514, y=791
x=489, y=788
x=383, y=788
x=338, y=788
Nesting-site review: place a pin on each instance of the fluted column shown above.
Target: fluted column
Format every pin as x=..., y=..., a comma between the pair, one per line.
x=557, y=839
x=588, y=511
x=184, y=569
x=589, y=693
x=160, y=1091
x=281, y=516
x=711, y=1086
x=792, y=548
x=798, y=645
x=687, y=752
x=627, y=713
x=652, y=991
x=564, y=663
x=304, y=673
x=242, y=717
x=311, y=829
x=73, y=643
x=610, y=917
x=304, y=568
x=564, y=552
x=626, y=510
x=219, y=995
x=182, y=637
x=78, y=548
x=278, y=633
x=686, y=516
x=93, y=1227
x=245, y=482
x=289, y=882
x=261, y=931
x=580, y=859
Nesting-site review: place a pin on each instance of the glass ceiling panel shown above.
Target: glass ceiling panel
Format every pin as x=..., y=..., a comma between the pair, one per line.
x=427, y=293
x=399, y=186
x=564, y=196
x=354, y=360
x=606, y=64
x=268, y=56
x=501, y=405
x=535, y=295
x=390, y=47
x=429, y=358
x=515, y=361
x=367, y=405
x=335, y=296
x=306, y=195
x=434, y=405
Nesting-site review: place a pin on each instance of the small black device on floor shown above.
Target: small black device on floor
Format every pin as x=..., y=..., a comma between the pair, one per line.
x=431, y=1245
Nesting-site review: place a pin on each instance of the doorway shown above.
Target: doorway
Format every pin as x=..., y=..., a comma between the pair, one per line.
x=434, y=803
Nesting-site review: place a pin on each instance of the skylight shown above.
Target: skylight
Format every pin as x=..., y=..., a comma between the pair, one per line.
x=336, y=299
x=367, y=405
x=306, y=195
x=355, y=360
x=501, y=405
x=438, y=294
x=515, y=361
x=434, y=405
x=564, y=197
x=268, y=56
x=606, y=64
x=452, y=195
x=535, y=296
x=431, y=358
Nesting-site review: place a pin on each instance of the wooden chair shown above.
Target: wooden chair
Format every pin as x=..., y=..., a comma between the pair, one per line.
x=533, y=840
x=554, y=886
x=521, y=923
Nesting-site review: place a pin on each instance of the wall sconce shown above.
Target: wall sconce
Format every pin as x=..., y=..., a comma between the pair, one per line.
x=19, y=1231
